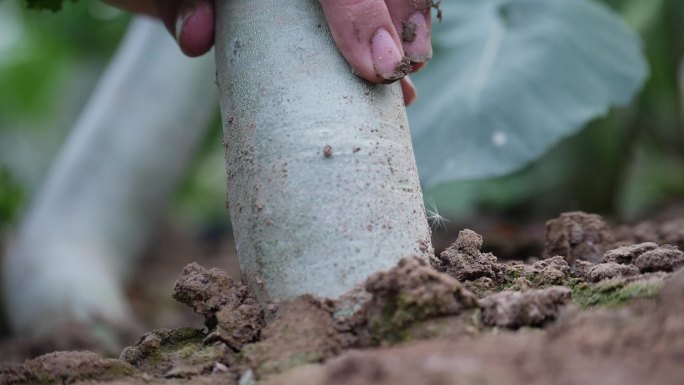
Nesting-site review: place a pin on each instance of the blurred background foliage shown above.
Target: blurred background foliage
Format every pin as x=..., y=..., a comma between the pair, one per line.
x=625, y=165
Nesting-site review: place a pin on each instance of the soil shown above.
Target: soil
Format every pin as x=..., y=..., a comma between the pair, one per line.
x=402, y=69
x=408, y=32
x=578, y=235
x=437, y=5
x=597, y=309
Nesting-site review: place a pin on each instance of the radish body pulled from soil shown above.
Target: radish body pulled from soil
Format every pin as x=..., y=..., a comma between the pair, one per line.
x=322, y=181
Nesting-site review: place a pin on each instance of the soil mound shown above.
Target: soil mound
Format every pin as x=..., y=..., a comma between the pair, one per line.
x=591, y=312
x=513, y=309
x=65, y=368
x=578, y=236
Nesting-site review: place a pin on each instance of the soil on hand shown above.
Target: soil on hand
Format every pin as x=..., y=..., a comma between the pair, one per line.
x=597, y=309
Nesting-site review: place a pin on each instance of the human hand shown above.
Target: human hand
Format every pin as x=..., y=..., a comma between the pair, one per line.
x=383, y=40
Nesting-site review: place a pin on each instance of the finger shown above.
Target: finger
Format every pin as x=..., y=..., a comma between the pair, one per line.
x=409, y=90
x=365, y=35
x=191, y=22
x=412, y=20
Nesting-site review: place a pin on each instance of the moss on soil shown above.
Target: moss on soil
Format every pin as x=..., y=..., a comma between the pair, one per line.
x=613, y=293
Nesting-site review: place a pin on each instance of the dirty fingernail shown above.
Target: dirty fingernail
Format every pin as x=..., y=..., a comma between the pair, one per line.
x=387, y=58
x=416, y=38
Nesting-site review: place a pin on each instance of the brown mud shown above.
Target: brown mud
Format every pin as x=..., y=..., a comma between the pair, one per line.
x=402, y=69
x=600, y=308
x=408, y=33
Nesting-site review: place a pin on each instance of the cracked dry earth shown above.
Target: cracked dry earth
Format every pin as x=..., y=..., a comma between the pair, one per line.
x=598, y=308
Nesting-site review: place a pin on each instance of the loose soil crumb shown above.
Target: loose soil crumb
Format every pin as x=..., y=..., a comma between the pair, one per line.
x=437, y=5
x=578, y=236
x=327, y=151
x=514, y=309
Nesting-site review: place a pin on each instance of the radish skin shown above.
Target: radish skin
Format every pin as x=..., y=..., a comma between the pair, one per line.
x=322, y=181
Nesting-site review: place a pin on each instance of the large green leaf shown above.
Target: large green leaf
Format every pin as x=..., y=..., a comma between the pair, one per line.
x=511, y=78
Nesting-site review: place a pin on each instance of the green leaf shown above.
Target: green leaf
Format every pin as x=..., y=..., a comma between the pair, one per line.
x=52, y=5
x=511, y=78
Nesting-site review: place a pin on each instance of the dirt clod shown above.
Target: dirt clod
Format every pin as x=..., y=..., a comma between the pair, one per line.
x=627, y=254
x=239, y=325
x=647, y=257
x=543, y=273
x=578, y=236
x=468, y=242
x=409, y=293
x=302, y=332
x=464, y=261
x=664, y=258
x=210, y=291
x=581, y=269
x=514, y=309
x=482, y=274
x=327, y=151
x=609, y=270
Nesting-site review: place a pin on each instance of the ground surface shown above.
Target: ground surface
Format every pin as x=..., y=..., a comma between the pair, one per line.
x=604, y=305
